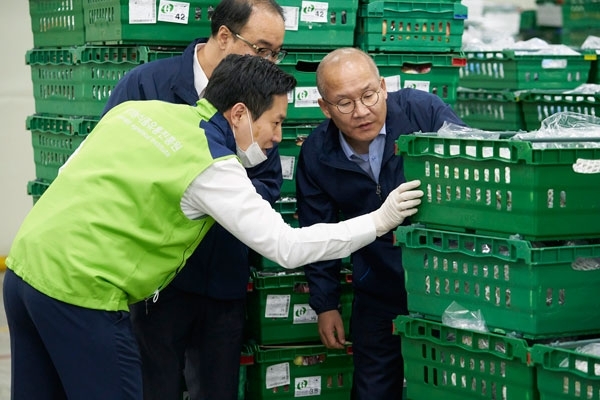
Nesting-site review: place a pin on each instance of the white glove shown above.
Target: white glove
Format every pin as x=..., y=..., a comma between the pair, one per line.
x=400, y=203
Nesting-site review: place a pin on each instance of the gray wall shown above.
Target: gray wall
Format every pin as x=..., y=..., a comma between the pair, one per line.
x=16, y=103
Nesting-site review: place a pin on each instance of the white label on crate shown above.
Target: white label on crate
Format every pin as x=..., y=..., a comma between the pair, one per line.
x=554, y=64
x=304, y=314
x=278, y=306
x=306, y=96
x=142, y=11
x=287, y=166
x=419, y=85
x=277, y=375
x=291, y=15
x=173, y=11
x=392, y=83
x=290, y=96
x=307, y=386
x=314, y=11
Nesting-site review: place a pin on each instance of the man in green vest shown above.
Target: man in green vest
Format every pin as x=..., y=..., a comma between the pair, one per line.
x=131, y=205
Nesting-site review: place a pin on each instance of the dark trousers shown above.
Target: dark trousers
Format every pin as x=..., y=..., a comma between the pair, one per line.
x=378, y=364
x=60, y=351
x=203, y=335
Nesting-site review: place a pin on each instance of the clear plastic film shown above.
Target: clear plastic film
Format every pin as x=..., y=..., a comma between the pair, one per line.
x=457, y=316
x=591, y=349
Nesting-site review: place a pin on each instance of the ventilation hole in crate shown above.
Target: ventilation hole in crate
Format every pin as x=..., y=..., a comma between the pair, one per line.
x=497, y=296
x=427, y=284
x=446, y=286
x=488, y=197
x=549, y=298
x=437, y=285
x=498, y=200
x=561, y=297
x=478, y=195
x=456, y=286
x=435, y=263
x=487, y=293
x=438, y=193
x=476, y=175
x=446, y=172
x=448, y=193
x=550, y=199
x=458, y=193
x=468, y=194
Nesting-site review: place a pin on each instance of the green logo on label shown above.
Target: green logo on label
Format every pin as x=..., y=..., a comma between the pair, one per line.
x=302, y=384
x=167, y=8
x=308, y=9
x=303, y=95
x=301, y=311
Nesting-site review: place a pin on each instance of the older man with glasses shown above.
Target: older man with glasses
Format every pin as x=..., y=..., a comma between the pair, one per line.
x=198, y=320
x=347, y=166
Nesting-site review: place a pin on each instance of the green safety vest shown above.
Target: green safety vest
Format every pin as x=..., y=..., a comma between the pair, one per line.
x=109, y=231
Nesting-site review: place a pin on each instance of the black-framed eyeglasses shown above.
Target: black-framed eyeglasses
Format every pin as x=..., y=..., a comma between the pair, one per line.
x=275, y=56
x=346, y=106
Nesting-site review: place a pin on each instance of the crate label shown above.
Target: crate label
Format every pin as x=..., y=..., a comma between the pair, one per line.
x=287, y=166
x=307, y=386
x=277, y=375
x=554, y=64
x=314, y=11
x=392, y=83
x=306, y=96
x=291, y=15
x=419, y=85
x=583, y=166
x=173, y=11
x=142, y=11
x=278, y=306
x=304, y=314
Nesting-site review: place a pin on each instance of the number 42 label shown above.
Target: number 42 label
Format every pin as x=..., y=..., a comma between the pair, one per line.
x=173, y=11
x=314, y=11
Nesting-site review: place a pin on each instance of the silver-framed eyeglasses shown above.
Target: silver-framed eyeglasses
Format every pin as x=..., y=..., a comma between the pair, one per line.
x=263, y=52
x=347, y=106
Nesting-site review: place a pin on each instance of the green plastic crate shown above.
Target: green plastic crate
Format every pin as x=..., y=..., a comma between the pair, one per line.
x=540, y=104
x=492, y=110
x=278, y=310
x=289, y=150
x=300, y=371
x=433, y=73
x=522, y=69
x=54, y=139
x=568, y=14
x=159, y=23
x=564, y=373
x=531, y=289
x=36, y=189
x=447, y=363
x=79, y=80
x=504, y=187
x=57, y=23
x=594, y=70
x=302, y=101
x=319, y=25
x=410, y=26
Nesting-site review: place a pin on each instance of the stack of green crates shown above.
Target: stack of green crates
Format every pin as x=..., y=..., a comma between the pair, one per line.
x=567, y=22
x=500, y=77
x=414, y=44
x=506, y=229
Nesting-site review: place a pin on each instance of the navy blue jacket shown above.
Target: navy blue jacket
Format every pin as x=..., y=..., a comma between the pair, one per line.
x=330, y=187
x=219, y=266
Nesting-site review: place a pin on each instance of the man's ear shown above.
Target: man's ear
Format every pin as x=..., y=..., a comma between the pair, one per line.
x=238, y=111
x=223, y=37
x=324, y=107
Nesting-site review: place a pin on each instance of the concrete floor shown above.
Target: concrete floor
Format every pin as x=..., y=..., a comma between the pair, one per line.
x=4, y=350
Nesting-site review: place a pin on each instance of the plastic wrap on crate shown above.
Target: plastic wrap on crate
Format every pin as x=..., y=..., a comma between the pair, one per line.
x=167, y=23
x=540, y=104
x=311, y=25
x=524, y=69
x=566, y=371
x=410, y=26
x=77, y=81
x=278, y=310
x=494, y=110
x=54, y=139
x=503, y=187
x=56, y=23
x=314, y=371
x=447, y=363
x=433, y=73
x=530, y=289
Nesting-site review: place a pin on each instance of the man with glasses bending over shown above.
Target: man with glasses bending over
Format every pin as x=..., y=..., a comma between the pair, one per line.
x=347, y=166
x=198, y=320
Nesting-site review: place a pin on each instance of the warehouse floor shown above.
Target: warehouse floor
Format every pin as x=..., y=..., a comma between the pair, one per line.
x=4, y=350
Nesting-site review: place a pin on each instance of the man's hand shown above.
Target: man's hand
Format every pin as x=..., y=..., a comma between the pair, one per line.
x=331, y=329
x=400, y=204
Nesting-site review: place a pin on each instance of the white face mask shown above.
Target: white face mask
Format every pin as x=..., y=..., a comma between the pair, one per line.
x=253, y=154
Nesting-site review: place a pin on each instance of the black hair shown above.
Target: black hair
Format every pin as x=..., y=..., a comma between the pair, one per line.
x=247, y=79
x=234, y=14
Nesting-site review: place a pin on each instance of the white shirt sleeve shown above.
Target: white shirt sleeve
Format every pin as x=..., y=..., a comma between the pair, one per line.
x=224, y=192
